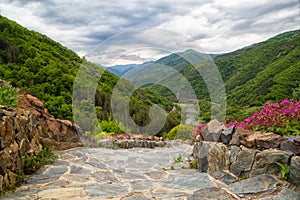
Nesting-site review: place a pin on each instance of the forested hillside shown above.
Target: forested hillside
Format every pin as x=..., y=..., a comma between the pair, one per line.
x=266, y=71
x=47, y=70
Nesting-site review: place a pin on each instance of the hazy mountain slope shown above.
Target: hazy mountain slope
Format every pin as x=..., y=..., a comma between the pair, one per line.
x=120, y=70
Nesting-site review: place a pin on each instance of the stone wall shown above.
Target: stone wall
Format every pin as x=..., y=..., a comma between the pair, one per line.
x=246, y=153
x=24, y=130
x=131, y=143
x=19, y=135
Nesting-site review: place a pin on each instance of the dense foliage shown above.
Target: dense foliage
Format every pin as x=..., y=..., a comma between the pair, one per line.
x=33, y=163
x=38, y=65
x=183, y=132
x=47, y=70
x=8, y=96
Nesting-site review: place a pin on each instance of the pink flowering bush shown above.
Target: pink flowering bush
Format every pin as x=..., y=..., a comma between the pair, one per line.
x=281, y=118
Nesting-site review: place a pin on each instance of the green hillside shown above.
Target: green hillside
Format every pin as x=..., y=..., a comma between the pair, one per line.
x=266, y=71
x=47, y=70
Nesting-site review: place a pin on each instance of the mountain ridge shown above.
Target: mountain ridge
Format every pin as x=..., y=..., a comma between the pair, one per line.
x=46, y=69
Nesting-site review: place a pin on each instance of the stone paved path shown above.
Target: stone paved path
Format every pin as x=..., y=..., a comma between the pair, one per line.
x=129, y=174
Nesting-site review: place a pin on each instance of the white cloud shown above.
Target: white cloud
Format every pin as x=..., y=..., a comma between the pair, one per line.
x=217, y=26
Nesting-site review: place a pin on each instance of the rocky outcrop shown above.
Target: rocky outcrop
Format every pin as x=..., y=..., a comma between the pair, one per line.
x=54, y=133
x=247, y=154
x=24, y=130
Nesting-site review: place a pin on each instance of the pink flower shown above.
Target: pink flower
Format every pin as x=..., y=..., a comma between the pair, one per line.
x=248, y=120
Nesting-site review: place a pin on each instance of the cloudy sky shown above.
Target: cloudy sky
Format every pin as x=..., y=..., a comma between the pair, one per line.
x=214, y=26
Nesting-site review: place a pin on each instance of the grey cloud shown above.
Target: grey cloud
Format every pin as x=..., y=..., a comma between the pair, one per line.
x=131, y=57
x=89, y=23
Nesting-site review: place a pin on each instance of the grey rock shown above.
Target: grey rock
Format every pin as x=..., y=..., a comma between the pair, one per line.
x=196, y=150
x=233, y=152
x=57, y=183
x=211, y=193
x=265, y=162
x=189, y=182
x=106, y=191
x=76, y=178
x=155, y=175
x=79, y=170
x=141, y=185
x=285, y=194
x=264, y=184
x=104, y=177
x=226, y=135
x=291, y=144
x=166, y=194
x=44, y=178
x=243, y=164
x=128, y=175
x=56, y=171
x=60, y=163
x=225, y=176
x=137, y=197
x=295, y=170
x=212, y=157
x=212, y=131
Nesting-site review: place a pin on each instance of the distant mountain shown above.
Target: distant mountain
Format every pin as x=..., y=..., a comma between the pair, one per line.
x=179, y=60
x=120, y=70
x=266, y=71
x=176, y=60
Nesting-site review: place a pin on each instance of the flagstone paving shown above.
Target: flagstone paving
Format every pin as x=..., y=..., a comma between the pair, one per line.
x=131, y=174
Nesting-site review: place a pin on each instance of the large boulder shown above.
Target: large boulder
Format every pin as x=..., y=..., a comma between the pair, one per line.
x=265, y=162
x=261, y=140
x=238, y=135
x=212, y=131
x=262, y=184
x=211, y=156
x=244, y=161
x=268, y=141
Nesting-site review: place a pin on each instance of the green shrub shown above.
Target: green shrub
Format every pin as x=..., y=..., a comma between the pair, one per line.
x=112, y=126
x=8, y=96
x=33, y=163
x=181, y=131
